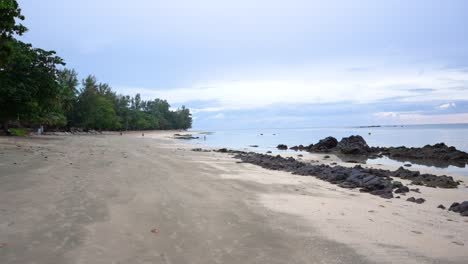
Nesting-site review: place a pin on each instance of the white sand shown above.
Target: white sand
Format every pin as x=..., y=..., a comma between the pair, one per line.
x=94, y=199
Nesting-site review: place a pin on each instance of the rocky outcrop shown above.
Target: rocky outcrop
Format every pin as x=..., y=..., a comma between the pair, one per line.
x=439, y=154
x=374, y=181
x=355, y=145
x=282, y=147
x=324, y=145
x=426, y=179
x=461, y=208
x=414, y=200
x=184, y=136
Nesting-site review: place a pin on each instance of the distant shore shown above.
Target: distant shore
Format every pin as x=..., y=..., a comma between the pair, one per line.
x=141, y=198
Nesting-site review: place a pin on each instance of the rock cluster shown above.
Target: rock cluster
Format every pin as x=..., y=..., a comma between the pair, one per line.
x=439, y=154
x=282, y=147
x=184, y=136
x=414, y=200
x=461, y=208
x=374, y=181
x=355, y=145
x=201, y=150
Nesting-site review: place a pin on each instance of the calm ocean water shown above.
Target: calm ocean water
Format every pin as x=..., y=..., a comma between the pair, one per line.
x=410, y=136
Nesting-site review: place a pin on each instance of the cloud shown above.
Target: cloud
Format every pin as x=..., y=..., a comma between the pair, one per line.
x=206, y=109
x=415, y=118
x=446, y=106
x=322, y=85
x=218, y=116
x=386, y=115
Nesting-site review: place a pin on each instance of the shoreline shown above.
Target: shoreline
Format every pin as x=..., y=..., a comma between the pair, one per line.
x=96, y=189
x=382, y=161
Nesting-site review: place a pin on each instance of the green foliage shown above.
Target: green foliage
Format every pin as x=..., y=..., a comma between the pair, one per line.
x=98, y=107
x=21, y=132
x=34, y=91
x=9, y=14
x=28, y=86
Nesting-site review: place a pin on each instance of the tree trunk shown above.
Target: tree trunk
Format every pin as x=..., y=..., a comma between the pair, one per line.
x=5, y=126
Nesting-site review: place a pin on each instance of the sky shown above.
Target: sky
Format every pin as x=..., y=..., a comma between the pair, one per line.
x=269, y=63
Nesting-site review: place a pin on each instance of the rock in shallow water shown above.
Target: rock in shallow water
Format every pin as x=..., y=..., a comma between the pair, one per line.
x=282, y=147
x=438, y=154
x=355, y=145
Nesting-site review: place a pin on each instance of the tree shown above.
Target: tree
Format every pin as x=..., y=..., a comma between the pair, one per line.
x=93, y=109
x=9, y=14
x=28, y=84
x=68, y=82
x=34, y=91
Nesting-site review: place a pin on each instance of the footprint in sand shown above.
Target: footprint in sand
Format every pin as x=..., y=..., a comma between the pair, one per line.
x=416, y=232
x=458, y=243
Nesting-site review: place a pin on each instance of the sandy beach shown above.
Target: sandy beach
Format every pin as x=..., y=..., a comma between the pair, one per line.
x=133, y=199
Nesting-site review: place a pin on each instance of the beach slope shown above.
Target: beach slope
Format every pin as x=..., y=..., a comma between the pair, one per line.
x=134, y=199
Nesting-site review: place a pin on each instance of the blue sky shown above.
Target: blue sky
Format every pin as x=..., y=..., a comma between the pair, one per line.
x=295, y=63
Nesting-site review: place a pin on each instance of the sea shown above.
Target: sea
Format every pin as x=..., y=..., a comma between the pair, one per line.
x=384, y=136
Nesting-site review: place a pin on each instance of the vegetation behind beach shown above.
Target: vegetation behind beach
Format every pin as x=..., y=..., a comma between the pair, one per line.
x=36, y=89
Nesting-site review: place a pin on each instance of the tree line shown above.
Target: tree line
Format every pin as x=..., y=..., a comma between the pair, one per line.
x=36, y=89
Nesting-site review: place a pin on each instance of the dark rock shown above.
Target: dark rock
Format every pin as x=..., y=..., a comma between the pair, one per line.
x=438, y=154
x=455, y=207
x=403, y=189
x=374, y=181
x=397, y=184
x=426, y=179
x=282, y=147
x=414, y=200
x=268, y=152
x=182, y=136
x=431, y=155
x=253, y=146
x=324, y=145
x=353, y=145
x=201, y=150
x=300, y=155
x=223, y=150
x=420, y=200
x=296, y=148
x=326, y=157
x=302, y=148
x=441, y=206
x=461, y=208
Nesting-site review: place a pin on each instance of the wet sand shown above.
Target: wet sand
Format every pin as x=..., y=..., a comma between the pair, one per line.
x=129, y=199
